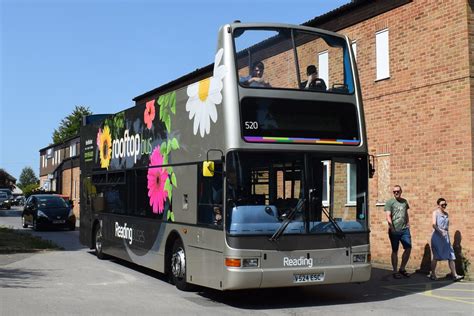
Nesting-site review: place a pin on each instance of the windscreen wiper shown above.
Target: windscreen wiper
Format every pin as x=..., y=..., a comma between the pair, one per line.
x=288, y=219
x=340, y=232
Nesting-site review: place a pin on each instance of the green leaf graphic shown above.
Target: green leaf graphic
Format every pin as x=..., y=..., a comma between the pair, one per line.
x=168, y=123
x=173, y=102
x=174, y=144
x=173, y=180
x=168, y=149
x=163, y=148
x=166, y=99
x=170, y=216
x=161, y=111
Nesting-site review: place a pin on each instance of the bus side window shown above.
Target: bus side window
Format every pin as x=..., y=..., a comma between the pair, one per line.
x=210, y=196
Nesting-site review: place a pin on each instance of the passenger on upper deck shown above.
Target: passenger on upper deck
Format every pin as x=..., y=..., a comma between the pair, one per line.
x=255, y=79
x=313, y=82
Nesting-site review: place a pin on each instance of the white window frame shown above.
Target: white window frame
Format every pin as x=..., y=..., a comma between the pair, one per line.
x=382, y=55
x=349, y=185
x=354, y=49
x=72, y=150
x=326, y=165
x=323, y=66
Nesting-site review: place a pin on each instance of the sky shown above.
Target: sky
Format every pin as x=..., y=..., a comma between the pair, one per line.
x=56, y=54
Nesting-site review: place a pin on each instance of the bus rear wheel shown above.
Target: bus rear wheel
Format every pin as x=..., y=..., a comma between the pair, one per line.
x=178, y=267
x=98, y=242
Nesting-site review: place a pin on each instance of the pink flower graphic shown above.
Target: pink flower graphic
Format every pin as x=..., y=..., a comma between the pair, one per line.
x=99, y=135
x=149, y=114
x=156, y=182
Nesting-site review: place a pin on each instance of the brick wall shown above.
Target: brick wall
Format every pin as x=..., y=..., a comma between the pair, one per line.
x=71, y=186
x=419, y=121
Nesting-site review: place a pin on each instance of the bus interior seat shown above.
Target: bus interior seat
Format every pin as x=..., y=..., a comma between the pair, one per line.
x=339, y=87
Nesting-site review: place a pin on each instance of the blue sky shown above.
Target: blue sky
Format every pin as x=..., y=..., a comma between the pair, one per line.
x=57, y=54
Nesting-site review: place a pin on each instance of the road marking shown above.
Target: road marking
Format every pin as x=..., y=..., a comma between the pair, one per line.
x=426, y=289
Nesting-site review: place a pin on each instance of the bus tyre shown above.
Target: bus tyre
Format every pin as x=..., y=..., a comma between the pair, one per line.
x=98, y=242
x=178, y=266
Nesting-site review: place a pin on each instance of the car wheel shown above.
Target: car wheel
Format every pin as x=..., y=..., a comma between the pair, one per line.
x=98, y=242
x=9, y=207
x=23, y=222
x=178, y=266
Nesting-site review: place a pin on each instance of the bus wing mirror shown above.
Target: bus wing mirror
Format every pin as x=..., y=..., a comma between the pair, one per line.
x=208, y=168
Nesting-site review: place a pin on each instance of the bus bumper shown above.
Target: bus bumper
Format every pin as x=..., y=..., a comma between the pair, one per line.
x=236, y=278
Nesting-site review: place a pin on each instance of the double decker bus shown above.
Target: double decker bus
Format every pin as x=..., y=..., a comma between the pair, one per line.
x=240, y=176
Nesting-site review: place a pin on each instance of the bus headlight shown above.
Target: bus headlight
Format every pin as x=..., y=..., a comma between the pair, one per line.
x=241, y=263
x=359, y=258
x=250, y=263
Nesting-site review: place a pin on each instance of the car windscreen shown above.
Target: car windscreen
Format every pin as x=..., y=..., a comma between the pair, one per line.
x=51, y=201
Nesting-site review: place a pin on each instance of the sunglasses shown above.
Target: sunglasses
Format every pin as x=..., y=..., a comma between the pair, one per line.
x=443, y=205
x=395, y=192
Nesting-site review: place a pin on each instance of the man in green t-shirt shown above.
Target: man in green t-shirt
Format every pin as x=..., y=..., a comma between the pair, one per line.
x=396, y=211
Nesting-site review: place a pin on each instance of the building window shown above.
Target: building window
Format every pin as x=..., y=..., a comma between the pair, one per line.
x=351, y=184
x=323, y=62
x=72, y=150
x=382, y=54
x=354, y=49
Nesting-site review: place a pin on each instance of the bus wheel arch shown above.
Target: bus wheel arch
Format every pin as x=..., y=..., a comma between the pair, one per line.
x=175, y=265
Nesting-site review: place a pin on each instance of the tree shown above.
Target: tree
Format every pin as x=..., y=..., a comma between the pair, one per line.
x=27, y=177
x=30, y=189
x=70, y=125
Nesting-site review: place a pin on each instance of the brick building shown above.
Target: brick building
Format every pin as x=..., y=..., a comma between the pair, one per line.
x=416, y=66
x=59, y=170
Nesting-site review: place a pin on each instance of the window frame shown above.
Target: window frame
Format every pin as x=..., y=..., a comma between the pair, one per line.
x=350, y=186
x=382, y=54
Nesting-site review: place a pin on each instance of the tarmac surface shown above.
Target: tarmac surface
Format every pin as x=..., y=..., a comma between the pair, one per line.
x=75, y=282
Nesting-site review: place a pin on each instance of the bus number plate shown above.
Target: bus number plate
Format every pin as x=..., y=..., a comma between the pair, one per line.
x=310, y=277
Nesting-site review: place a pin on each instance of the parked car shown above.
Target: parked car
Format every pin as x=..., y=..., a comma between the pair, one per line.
x=4, y=201
x=19, y=200
x=8, y=202
x=48, y=210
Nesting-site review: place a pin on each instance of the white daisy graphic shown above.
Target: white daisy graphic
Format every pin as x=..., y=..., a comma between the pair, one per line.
x=203, y=97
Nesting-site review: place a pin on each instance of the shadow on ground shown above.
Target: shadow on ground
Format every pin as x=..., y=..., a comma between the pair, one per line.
x=381, y=287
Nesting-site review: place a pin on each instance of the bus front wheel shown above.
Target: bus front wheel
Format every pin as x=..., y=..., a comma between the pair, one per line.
x=178, y=266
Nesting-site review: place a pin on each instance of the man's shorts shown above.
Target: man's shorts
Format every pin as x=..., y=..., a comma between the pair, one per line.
x=398, y=237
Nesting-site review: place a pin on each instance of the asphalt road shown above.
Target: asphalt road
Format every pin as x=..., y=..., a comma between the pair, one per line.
x=75, y=282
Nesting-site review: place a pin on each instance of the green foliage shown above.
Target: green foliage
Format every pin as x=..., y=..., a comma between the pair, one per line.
x=30, y=189
x=27, y=177
x=70, y=125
